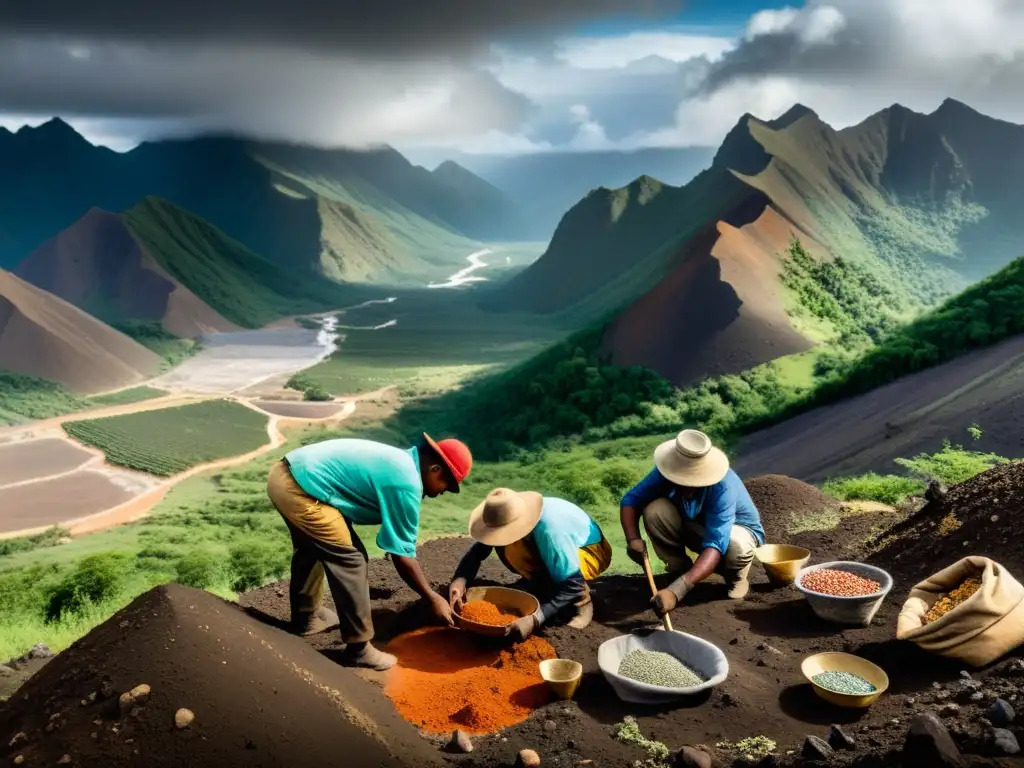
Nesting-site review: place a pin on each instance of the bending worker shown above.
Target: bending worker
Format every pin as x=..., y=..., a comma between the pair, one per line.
x=321, y=490
x=693, y=500
x=553, y=544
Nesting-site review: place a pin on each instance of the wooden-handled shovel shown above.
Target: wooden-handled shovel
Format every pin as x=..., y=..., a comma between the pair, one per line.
x=654, y=591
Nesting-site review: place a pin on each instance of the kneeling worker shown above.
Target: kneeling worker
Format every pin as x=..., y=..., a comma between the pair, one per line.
x=693, y=500
x=321, y=490
x=551, y=543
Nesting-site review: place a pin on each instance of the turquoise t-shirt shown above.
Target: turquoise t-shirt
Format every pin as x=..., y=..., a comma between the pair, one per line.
x=562, y=530
x=369, y=483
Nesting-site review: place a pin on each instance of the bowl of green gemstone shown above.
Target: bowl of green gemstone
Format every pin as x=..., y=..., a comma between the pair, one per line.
x=844, y=679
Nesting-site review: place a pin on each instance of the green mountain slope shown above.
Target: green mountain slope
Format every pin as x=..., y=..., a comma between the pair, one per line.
x=693, y=275
x=284, y=203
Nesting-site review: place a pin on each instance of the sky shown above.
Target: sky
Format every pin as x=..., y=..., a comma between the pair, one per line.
x=495, y=76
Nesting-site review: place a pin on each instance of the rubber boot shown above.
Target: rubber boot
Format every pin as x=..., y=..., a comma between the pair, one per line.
x=321, y=620
x=366, y=656
x=584, y=615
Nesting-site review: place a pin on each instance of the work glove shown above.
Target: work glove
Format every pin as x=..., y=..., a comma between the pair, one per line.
x=667, y=599
x=441, y=610
x=635, y=551
x=522, y=628
x=457, y=593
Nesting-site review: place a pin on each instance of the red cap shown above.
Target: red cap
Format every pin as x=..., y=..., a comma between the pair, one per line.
x=455, y=454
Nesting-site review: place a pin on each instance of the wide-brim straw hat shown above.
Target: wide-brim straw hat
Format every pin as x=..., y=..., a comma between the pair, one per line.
x=691, y=460
x=505, y=516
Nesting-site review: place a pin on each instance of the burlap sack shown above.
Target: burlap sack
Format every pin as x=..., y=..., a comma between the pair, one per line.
x=987, y=625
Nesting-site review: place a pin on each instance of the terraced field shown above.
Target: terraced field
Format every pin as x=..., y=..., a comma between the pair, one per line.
x=172, y=440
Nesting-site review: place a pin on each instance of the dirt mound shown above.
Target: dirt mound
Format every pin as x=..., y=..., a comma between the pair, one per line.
x=982, y=516
x=96, y=264
x=785, y=502
x=43, y=335
x=259, y=696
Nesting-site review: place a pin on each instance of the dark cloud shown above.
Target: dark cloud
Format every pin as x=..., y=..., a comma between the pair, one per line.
x=382, y=29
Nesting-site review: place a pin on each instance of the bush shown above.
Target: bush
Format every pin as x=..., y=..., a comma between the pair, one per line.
x=952, y=464
x=316, y=394
x=887, y=489
x=95, y=579
x=254, y=563
x=200, y=568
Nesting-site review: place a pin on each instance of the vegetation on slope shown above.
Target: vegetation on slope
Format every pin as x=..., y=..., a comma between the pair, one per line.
x=31, y=397
x=243, y=287
x=154, y=336
x=168, y=441
x=128, y=396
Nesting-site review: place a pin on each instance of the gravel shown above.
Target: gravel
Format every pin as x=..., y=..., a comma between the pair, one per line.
x=844, y=682
x=658, y=668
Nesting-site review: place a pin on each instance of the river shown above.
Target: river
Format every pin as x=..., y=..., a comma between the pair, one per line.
x=465, y=275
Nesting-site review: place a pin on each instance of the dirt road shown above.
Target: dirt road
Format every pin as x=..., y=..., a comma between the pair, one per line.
x=905, y=418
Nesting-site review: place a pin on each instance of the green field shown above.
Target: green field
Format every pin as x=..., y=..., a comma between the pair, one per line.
x=168, y=441
x=29, y=397
x=128, y=396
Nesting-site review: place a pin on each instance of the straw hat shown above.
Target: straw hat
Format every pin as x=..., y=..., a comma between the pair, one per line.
x=505, y=517
x=691, y=460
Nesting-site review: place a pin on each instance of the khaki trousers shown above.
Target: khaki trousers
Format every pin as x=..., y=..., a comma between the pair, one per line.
x=672, y=533
x=324, y=547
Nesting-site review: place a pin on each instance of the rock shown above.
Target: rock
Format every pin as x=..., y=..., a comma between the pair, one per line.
x=935, y=491
x=41, y=651
x=691, y=757
x=527, y=758
x=977, y=697
x=817, y=749
x=910, y=702
x=770, y=649
x=17, y=739
x=550, y=726
x=18, y=759
x=1009, y=668
x=140, y=693
x=839, y=739
x=64, y=760
x=1004, y=742
x=965, y=675
x=965, y=689
x=125, y=703
x=183, y=719
x=928, y=743
x=950, y=710
x=1000, y=714
x=106, y=689
x=5, y=671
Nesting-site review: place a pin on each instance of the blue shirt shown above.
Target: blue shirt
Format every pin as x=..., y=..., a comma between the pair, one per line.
x=562, y=530
x=718, y=507
x=369, y=483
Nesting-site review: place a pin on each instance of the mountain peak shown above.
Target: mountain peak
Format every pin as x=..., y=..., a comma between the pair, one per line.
x=54, y=129
x=791, y=115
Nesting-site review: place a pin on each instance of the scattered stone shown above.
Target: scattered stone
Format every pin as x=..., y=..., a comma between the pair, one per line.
x=18, y=759
x=1009, y=668
x=125, y=703
x=64, y=760
x=41, y=651
x=965, y=675
x=691, y=757
x=928, y=743
x=817, y=749
x=550, y=726
x=106, y=689
x=527, y=758
x=950, y=710
x=965, y=689
x=1000, y=714
x=1004, y=742
x=50, y=727
x=910, y=702
x=183, y=719
x=459, y=742
x=894, y=721
x=839, y=739
x=935, y=491
x=140, y=693
x=136, y=712
x=977, y=698
x=734, y=641
x=770, y=649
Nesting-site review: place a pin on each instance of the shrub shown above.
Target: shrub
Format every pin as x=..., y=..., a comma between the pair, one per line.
x=316, y=393
x=200, y=568
x=888, y=489
x=95, y=579
x=254, y=563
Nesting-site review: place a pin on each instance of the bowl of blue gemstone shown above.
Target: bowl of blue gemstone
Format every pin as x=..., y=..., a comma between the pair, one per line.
x=844, y=679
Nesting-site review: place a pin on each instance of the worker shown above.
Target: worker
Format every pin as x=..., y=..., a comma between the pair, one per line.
x=693, y=500
x=321, y=490
x=553, y=544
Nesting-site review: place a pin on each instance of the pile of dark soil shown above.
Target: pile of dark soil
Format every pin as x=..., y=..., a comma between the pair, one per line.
x=260, y=697
x=982, y=516
x=784, y=501
x=765, y=638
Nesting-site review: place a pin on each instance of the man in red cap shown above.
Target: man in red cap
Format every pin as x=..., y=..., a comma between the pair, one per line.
x=321, y=490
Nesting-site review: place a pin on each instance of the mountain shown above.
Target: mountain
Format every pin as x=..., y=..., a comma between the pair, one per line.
x=45, y=336
x=692, y=275
x=545, y=185
x=358, y=216
x=157, y=262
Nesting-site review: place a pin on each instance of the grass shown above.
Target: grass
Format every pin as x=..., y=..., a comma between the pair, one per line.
x=128, y=396
x=31, y=397
x=168, y=441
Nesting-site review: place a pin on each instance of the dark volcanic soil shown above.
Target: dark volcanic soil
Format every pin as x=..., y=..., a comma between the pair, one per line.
x=783, y=500
x=260, y=697
x=765, y=638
